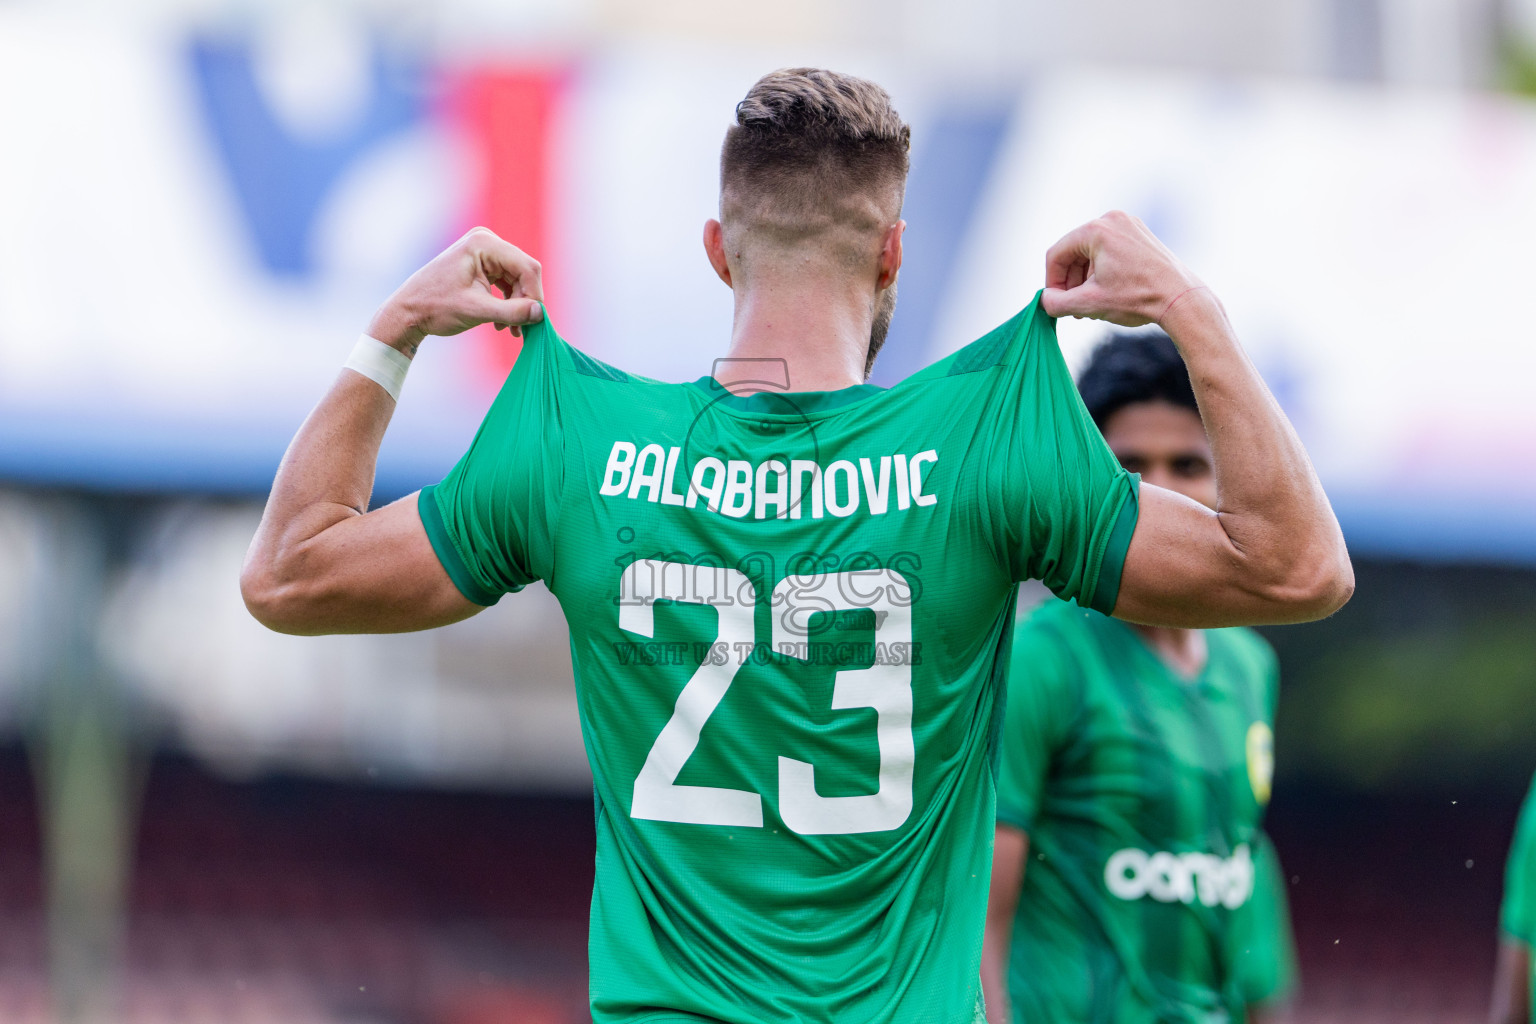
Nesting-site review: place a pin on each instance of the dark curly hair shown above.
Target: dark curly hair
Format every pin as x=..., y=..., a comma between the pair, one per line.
x=1128, y=368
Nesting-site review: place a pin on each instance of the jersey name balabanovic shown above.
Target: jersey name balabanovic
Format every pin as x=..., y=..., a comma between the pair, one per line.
x=1149, y=894
x=789, y=614
x=1517, y=918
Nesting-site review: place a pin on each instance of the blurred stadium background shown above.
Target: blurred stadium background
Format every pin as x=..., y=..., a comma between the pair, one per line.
x=202, y=200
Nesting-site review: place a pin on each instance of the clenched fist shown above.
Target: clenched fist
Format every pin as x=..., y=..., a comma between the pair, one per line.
x=1114, y=269
x=478, y=279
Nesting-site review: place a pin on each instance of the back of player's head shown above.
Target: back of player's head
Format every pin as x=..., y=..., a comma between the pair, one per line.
x=1125, y=369
x=814, y=157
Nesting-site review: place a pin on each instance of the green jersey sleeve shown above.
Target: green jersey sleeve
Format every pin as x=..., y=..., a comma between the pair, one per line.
x=492, y=518
x=1518, y=917
x=1062, y=508
x=1266, y=953
x=1037, y=719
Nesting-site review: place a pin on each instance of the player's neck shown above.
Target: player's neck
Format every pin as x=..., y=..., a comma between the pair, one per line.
x=1182, y=650
x=814, y=325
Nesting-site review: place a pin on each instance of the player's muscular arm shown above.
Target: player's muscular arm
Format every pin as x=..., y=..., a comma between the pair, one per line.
x=1272, y=551
x=1010, y=848
x=320, y=561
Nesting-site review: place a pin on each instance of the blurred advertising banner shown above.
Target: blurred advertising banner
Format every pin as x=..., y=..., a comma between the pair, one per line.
x=1369, y=246
x=195, y=226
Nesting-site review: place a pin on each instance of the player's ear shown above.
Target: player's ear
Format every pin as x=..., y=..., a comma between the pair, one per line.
x=714, y=248
x=890, y=255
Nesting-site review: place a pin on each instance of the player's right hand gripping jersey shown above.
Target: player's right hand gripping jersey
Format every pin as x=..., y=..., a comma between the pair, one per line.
x=787, y=613
x=1518, y=917
x=1150, y=896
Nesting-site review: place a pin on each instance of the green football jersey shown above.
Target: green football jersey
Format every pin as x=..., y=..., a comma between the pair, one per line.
x=1518, y=917
x=1149, y=893
x=789, y=619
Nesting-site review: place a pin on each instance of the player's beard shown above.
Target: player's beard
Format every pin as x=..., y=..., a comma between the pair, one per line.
x=885, y=308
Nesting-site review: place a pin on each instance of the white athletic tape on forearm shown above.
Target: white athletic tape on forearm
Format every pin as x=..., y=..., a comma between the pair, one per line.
x=381, y=364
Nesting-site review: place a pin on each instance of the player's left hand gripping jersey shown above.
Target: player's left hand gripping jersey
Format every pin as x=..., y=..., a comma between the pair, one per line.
x=786, y=615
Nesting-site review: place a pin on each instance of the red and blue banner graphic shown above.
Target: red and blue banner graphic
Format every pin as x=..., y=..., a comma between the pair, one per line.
x=192, y=234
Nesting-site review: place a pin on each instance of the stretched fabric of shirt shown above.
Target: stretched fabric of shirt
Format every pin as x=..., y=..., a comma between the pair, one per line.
x=1150, y=893
x=789, y=619
x=1517, y=918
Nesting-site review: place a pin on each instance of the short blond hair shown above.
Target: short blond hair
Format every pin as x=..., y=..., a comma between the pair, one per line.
x=811, y=149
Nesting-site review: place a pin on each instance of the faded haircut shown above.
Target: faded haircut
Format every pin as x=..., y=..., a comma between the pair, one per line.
x=814, y=156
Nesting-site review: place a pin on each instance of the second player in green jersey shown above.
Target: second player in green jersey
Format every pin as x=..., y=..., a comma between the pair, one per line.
x=1150, y=894
x=1135, y=770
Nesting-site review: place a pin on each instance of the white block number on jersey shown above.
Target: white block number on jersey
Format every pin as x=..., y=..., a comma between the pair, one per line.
x=887, y=688
x=731, y=594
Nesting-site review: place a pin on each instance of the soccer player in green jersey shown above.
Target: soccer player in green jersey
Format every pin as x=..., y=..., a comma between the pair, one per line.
x=1130, y=883
x=790, y=593
x=1514, y=980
